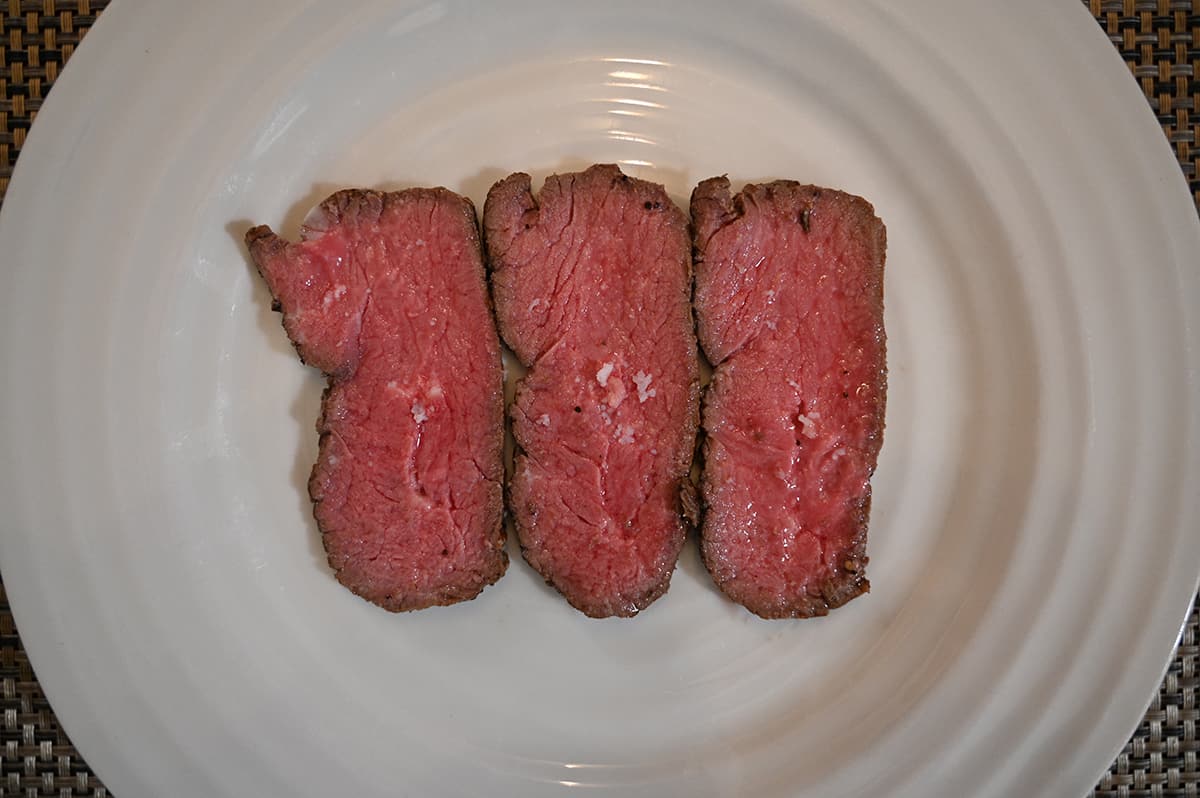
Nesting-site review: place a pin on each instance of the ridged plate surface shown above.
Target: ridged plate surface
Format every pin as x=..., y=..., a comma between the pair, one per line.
x=1033, y=545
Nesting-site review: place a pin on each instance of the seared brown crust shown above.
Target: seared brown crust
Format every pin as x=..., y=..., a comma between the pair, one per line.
x=512, y=198
x=356, y=205
x=714, y=207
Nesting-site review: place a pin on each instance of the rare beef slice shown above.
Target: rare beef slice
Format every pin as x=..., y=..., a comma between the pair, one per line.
x=789, y=309
x=592, y=283
x=386, y=294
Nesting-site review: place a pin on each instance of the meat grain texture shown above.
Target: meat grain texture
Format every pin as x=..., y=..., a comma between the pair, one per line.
x=789, y=308
x=386, y=294
x=592, y=282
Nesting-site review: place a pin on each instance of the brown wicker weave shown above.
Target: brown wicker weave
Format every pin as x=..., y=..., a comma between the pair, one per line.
x=1160, y=41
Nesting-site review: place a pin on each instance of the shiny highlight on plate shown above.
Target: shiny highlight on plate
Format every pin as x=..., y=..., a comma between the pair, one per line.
x=643, y=61
x=625, y=135
x=612, y=84
x=634, y=102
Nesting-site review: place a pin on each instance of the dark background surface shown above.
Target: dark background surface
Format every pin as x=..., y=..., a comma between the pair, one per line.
x=1160, y=42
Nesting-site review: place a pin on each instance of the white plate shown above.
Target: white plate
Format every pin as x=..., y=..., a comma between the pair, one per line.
x=1033, y=543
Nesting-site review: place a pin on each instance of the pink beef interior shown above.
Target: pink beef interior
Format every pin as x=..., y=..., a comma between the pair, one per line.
x=386, y=294
x=789, y=302
x=592, y=282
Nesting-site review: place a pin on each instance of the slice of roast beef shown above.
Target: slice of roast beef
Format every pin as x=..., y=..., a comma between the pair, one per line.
x=592, y=282
x=789, y=308
x=386, y=294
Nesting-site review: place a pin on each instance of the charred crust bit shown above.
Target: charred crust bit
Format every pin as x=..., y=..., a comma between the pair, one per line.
x=359, y=204
x=837, y=591
x=816, y=608
x=336, y=204
x=713, y=208
x=467, y=203
x=276, y=306
x=256, y=233
x=808, y=605
x=510, y=205
x=738, y=206
x=263, y=245
x=689, y=503
x=849, y=582
x=262, y=239
x=806, y=213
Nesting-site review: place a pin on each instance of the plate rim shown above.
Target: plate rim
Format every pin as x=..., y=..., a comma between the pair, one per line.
x=70, y=89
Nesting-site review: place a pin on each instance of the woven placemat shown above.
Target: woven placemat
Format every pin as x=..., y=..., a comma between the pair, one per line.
x=1159, y=40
